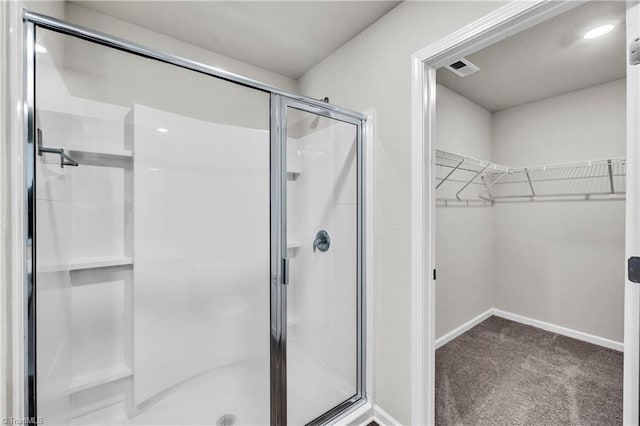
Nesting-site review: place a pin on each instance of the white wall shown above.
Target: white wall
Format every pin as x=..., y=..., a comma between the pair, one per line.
x=373, y=71
x=562, y=262
x=100, y=22
x=464, y=235
x=583, y=125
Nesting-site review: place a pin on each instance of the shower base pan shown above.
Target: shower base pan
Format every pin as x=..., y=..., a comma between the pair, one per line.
x=237, y=394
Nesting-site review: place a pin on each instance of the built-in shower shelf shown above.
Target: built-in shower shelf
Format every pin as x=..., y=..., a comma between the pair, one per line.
x=294, y=245
x=104, y=262
x=91, y=263
x=99, y=377
x=99, y=151
x=293, y=174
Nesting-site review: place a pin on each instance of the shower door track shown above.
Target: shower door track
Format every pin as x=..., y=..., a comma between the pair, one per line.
x=279, y=100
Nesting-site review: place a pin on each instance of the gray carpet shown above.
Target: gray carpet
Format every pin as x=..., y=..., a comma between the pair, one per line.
x=505, y=373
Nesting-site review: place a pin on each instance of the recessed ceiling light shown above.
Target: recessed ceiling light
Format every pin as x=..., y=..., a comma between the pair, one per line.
x=162, y=130
x=40, y=48
x=599, y=31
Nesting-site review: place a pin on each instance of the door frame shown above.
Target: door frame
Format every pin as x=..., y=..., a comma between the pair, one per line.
x=23, y=315
x=279, y=261
x=631, y=375
x=507, y=20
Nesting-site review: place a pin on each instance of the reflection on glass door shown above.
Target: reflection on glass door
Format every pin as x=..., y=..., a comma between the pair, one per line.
x=323, y=291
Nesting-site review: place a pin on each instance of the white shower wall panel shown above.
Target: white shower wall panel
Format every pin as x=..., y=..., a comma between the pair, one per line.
x=97, y=319
x=201, y=249
x=98, y=211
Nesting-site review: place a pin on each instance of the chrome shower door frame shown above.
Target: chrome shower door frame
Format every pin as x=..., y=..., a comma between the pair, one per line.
x=280, y=100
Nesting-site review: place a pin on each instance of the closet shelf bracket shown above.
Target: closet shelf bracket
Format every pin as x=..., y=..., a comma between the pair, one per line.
x=487, y=188
x=471, y=181
x=444, y=179
x=533, y=192
x=610, y=177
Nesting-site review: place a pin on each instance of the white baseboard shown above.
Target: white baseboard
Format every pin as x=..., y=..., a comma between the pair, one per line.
x=596, y=340
x=376, y=414
x=463, y=328
x=383, y=418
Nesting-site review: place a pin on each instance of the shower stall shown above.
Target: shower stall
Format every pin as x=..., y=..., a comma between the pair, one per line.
x=195, y=241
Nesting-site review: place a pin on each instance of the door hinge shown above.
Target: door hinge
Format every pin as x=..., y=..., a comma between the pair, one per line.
x=434, y=274
x=633, y=269
x=634, y=52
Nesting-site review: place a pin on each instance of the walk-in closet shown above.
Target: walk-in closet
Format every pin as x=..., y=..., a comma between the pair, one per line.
x=530, y=217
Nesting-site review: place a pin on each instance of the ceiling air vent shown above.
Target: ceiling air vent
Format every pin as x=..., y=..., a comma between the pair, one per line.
x=462, y=67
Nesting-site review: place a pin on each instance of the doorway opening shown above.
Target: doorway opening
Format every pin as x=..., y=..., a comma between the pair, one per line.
x=524, y=197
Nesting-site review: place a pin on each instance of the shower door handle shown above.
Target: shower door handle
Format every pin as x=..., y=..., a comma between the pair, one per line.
x=285, y=270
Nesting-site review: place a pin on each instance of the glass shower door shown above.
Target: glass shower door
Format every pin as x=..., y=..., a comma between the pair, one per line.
x=324, y=304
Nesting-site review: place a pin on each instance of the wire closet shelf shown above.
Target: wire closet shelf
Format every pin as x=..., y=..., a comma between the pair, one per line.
x=466, y=181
